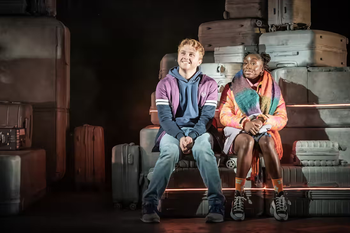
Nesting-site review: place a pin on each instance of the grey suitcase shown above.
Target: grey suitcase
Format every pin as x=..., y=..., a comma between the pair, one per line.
x=235, y=53
x=230, y=32
x=28, y=7
x=16, y=126
x=316, y=153
x=305, y=48
x=245, y=9
x=290, y=14
x=290, y=135
x=35, y=70
x=22, y=179
x=302, y=85
x=170, y=60
x=126, y=175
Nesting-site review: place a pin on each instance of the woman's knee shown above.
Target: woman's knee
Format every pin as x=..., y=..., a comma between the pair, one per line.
x=244, y=142
x=267, y=144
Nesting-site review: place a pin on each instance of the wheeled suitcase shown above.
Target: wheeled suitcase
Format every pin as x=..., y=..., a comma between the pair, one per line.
x=16, y=126
x=170, y=60
x=230, y=32
x=35, y=70
x=314, y=191
x=316, y=153
x=126, y=175
x=22, y=179
x=28, y=7
x=248, y=9
x=306, y=85
x=290, y=135
x=89, y=156
x=305, y=48
x=290, y=14
x=235, y=53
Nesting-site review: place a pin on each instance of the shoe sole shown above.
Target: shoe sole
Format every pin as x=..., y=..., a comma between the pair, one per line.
x=236, y=218
x=150, y=221
x=278, y=218
x=214, y=221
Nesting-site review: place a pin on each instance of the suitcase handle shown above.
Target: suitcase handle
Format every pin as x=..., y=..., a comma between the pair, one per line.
x=286, y=54
x=130, y=159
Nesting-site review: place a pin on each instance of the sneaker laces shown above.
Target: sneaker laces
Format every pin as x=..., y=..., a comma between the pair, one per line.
x=216, y=208
x=238, y=204
x=280, y=203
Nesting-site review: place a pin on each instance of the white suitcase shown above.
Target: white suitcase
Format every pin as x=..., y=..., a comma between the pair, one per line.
x=292, y=14
x=305, y=48
x=235, y=53
x=235, y=9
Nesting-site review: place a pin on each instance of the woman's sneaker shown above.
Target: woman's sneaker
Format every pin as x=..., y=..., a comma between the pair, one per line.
x=279, y=205
x=216, y=213
x=150, y=213
x=237, y=210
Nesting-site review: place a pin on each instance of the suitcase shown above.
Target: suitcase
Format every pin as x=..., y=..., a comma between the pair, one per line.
x=319, y=192
x=305, y=48
x=16, y=126
x=230, y=32
x=290, y=14
x=306, y=85
x=235, y=53
x=290, y=135
x=39, y=76
x=126, y=175
x=247, y=9
x=89, y=156
x=28, y=7
x=147, y=142
x=170, y=60
x=22, y=179
x=316, y=153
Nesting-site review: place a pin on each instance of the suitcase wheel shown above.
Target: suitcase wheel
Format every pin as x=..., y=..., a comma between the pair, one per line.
x=132, y=206
x=226, y=15
x=118, y=206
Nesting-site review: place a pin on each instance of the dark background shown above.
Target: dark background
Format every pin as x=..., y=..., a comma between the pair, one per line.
x=116, y=47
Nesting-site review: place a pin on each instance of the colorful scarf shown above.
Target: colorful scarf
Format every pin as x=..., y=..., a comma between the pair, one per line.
x=250, y=102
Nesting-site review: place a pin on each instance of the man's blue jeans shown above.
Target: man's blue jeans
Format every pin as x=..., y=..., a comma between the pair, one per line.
x=169, y=155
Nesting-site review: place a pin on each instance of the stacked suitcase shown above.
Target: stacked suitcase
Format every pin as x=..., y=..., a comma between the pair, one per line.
x=34, y=95
x=309, y=66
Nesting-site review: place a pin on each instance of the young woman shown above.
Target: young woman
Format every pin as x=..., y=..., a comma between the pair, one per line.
x=253, y=113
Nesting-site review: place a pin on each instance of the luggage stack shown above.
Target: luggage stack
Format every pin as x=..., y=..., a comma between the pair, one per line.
x=34, y=101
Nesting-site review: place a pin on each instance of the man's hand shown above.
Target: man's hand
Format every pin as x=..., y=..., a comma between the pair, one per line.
x=186, y=144
x=253, y=127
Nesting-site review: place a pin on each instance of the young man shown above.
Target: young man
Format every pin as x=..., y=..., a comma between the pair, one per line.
x=186, y=102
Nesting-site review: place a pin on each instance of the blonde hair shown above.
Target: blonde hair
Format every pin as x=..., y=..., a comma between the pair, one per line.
x=195, y=44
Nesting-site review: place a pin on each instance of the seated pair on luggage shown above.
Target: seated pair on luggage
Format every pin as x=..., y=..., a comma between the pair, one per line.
x=252, y=110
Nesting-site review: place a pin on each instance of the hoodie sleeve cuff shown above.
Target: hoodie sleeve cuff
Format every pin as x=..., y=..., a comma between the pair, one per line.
x=180, y=135
x=193, y=135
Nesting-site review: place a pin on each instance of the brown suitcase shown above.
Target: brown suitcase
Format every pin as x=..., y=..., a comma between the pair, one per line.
x=35, y=70
x=89, y=156
x=16, y=125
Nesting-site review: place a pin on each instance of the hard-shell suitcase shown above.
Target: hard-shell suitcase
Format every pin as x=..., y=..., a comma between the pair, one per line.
x=306, y=85
x=126, y=175
x=170, y=60
x=305, y=48
x=16, y=126
x=290, y=135
x=290, y=14
x=89, y=156
x=245, y=9
x=22, y=179
x=230, y=32
x=235, y=53
x=316, y=153
x=28, y=7
x=35, y=70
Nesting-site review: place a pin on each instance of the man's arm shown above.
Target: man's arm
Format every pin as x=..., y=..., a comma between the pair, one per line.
x=166, y=118
x=207, y=113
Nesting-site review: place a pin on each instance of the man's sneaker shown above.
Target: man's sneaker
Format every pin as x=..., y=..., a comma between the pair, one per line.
x=216, y=213
x=237, y=210
x=150, y=213
x=279, y=205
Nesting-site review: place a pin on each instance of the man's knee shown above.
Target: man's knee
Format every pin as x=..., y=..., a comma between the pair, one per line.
x=169, y=151
x=203, y=153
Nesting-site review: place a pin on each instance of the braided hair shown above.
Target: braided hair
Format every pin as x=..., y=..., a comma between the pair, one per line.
x=264, y=57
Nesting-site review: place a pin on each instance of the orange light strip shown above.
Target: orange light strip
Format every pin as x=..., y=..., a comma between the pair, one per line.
x=256, y=189
x=151, y=111
x=317, y=105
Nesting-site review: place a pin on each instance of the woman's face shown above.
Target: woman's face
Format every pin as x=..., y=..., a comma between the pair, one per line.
x=252, y=66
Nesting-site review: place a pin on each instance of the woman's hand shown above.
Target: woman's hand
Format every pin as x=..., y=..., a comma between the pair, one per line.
x=253, y=126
